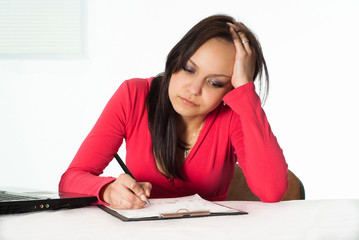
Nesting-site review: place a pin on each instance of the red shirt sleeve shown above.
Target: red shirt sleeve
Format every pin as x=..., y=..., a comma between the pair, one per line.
x=257, y=150
x=99, y=147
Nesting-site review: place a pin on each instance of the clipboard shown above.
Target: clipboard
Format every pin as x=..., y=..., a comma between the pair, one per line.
x=173, y=208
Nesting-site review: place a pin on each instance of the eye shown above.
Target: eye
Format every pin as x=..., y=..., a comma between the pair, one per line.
x=215, y=83
x=189, y=69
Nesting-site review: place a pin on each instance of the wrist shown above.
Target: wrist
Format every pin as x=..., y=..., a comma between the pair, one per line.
x=105, y=193
x=240, y=83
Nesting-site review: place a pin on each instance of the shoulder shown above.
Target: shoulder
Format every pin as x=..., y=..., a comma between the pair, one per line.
x=137, y=84
x=132, y=91
x=135, y=88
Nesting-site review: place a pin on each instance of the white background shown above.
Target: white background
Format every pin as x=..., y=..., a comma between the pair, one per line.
x=48, y=106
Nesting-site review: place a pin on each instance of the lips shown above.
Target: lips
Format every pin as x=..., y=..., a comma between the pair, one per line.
x=188, y=102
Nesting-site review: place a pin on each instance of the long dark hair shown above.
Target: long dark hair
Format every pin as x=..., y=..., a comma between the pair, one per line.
x=161, y=115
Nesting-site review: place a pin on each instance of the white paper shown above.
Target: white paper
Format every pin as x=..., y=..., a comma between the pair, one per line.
x=173, y=205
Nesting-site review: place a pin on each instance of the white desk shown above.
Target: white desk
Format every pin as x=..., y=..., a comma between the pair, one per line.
x=313, y=219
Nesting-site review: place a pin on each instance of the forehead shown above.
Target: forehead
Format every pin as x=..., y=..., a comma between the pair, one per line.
x=215, y=56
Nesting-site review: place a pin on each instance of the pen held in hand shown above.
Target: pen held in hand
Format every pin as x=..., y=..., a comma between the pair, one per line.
x=126, y=170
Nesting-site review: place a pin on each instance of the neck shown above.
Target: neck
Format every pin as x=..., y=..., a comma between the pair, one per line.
x=189, y=124
x=187, y=127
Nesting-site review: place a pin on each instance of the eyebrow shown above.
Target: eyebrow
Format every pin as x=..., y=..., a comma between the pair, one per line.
x=215, y=75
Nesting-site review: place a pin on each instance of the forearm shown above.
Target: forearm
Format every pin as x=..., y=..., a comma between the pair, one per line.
x=97, y=150
x=257, y=149
x=79, y=181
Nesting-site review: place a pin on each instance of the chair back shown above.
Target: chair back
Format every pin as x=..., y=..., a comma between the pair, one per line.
x=239, y=190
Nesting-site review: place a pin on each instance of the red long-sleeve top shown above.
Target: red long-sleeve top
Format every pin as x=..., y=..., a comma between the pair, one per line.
x=235, y=131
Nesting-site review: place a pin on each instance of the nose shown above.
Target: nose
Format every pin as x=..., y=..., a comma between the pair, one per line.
x=195, y=87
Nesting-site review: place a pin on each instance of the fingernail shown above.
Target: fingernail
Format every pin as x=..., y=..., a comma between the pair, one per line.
x=143, y=197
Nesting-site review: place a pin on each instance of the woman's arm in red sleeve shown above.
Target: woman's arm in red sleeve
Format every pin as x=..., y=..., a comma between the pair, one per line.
x=98, y=149
x=257, y=149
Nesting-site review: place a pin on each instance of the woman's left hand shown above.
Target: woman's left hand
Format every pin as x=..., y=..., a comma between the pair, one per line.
x=244, y=64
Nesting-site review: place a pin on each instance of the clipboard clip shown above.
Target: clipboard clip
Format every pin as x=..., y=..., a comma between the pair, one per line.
x=183, y=212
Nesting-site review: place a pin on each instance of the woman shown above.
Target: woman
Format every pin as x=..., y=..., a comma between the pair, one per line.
x=186, y=128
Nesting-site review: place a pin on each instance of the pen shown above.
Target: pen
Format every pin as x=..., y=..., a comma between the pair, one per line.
x=126, y=170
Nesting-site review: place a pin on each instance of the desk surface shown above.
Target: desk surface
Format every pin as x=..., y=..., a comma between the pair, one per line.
x=309, y=219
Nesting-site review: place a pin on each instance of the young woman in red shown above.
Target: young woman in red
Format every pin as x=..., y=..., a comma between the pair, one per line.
x=186, y=128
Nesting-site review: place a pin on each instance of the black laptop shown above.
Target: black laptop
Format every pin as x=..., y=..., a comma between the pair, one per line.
x=29, y=201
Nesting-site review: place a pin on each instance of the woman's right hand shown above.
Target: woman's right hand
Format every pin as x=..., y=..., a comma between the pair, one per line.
x=126, y=193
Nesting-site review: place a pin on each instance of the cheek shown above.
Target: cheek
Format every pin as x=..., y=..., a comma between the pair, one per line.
x=175, y=81
x=174, y=85
x=214, y=98
x=218, y=95
x=170, y=90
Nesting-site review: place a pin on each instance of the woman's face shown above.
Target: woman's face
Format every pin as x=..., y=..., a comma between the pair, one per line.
x=199, y=87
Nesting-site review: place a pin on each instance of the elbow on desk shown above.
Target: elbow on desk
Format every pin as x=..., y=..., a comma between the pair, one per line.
x=63, y=183
x=83, y=182
x=273, y=191
x=74, y=179
x=70, y=181
x=276, y=194
x=273, y=197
